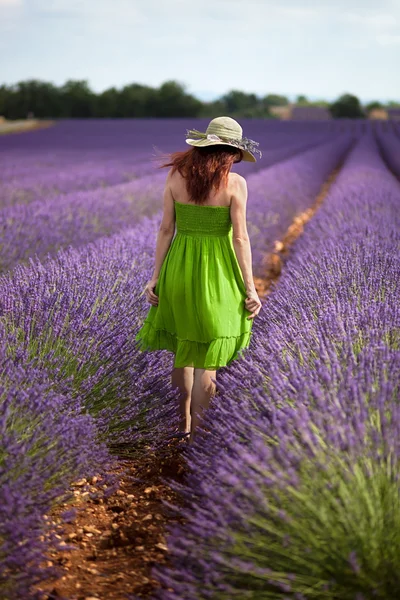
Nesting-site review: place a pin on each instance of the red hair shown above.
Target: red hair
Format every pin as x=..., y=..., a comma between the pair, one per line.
x=204, y=168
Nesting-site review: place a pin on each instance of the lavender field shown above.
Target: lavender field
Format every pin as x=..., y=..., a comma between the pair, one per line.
x=292, y=489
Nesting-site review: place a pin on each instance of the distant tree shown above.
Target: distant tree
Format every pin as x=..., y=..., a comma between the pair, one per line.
x=108, y=104
x=77, y=99
x=136, y=100
x=213, y=109
x=346, y=107
x=322, y=103
x=302, y=100
x=373, y=105
x=237, y=101
x=35, y=97
x=171, y=100
x=393, y=104
x=239, y=104
x=4, y=101
x=275, y=100
x=259, y=111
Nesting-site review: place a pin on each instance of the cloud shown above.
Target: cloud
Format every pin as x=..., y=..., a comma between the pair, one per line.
x=291, y=12
x=10, y=3
x=374, y=28
x=388, y=39
x=98, y=17
x=11, y=13
x=372, y=20
x=101, y=8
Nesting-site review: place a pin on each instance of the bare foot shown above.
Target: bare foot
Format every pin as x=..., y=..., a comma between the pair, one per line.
x=184, y=425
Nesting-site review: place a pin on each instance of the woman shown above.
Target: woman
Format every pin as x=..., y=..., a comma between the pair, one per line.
x=202, y=287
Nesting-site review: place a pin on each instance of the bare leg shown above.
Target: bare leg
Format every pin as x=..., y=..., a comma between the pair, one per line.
x=182, y=378
x=203, y=390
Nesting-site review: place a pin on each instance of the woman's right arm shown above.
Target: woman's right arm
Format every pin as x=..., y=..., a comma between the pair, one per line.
x=241, y=242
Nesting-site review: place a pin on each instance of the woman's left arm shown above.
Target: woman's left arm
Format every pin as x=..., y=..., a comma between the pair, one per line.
x=164, y=238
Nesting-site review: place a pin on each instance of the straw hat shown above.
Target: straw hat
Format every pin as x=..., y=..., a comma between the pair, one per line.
x=224, y=131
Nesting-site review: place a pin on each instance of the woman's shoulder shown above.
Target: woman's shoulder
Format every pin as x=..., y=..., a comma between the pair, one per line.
x=236, y=177
x=237, y=181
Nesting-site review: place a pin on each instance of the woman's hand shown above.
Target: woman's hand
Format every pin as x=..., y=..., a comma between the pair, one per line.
x=149, y=291
x=253, y=304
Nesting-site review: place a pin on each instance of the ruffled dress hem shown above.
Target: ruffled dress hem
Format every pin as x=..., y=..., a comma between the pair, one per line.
x=212, y=355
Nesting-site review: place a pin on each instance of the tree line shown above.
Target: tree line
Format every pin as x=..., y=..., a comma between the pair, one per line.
x=75, y=99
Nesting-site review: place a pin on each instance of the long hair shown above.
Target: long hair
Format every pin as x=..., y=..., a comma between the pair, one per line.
x=204, y=168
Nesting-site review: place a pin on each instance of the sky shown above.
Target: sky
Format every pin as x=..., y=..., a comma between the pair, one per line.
x=320, y=48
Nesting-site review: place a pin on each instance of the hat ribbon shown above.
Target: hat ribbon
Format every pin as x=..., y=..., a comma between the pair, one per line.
x=243, y=144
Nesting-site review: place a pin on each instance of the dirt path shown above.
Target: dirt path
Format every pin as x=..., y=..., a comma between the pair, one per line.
x=273, y=261
x=119, y=538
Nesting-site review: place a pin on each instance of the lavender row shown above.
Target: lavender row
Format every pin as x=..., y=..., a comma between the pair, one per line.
x=24, y=164
x=88, y=169
x=42, y=228
x=390, y=147
x=74, y=385
x=74, y=177
x=71, y=142
x=107, y=136
x=293, y=484
x=278, y=154
x=78, y=314
x=278, y=195
x=81, y=176
x=46, y=442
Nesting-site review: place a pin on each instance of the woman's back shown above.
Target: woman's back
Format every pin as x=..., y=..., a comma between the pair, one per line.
x=221, y=197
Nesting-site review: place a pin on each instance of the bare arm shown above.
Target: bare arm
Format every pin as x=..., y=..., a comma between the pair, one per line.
x=164, y=237
x=241, y=244
x=240, y=237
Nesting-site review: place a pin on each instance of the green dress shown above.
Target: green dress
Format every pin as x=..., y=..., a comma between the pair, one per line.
x=201, y=316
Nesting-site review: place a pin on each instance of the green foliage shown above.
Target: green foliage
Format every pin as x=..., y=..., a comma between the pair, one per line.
x=275, y=100
x=347, y=107
x=238, y=104
x=172, y=101
x=373, y=105
x=302, y=100
x=76, y=100
x=39, y=97
x=334, y=536
x=322, y=103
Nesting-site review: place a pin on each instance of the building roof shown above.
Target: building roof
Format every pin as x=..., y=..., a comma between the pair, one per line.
x=378, y=113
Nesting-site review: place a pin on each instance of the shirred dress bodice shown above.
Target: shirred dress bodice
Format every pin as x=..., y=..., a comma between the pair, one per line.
x=202, y=220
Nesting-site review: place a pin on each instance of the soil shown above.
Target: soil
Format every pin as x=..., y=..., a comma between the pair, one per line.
x=118, y=539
